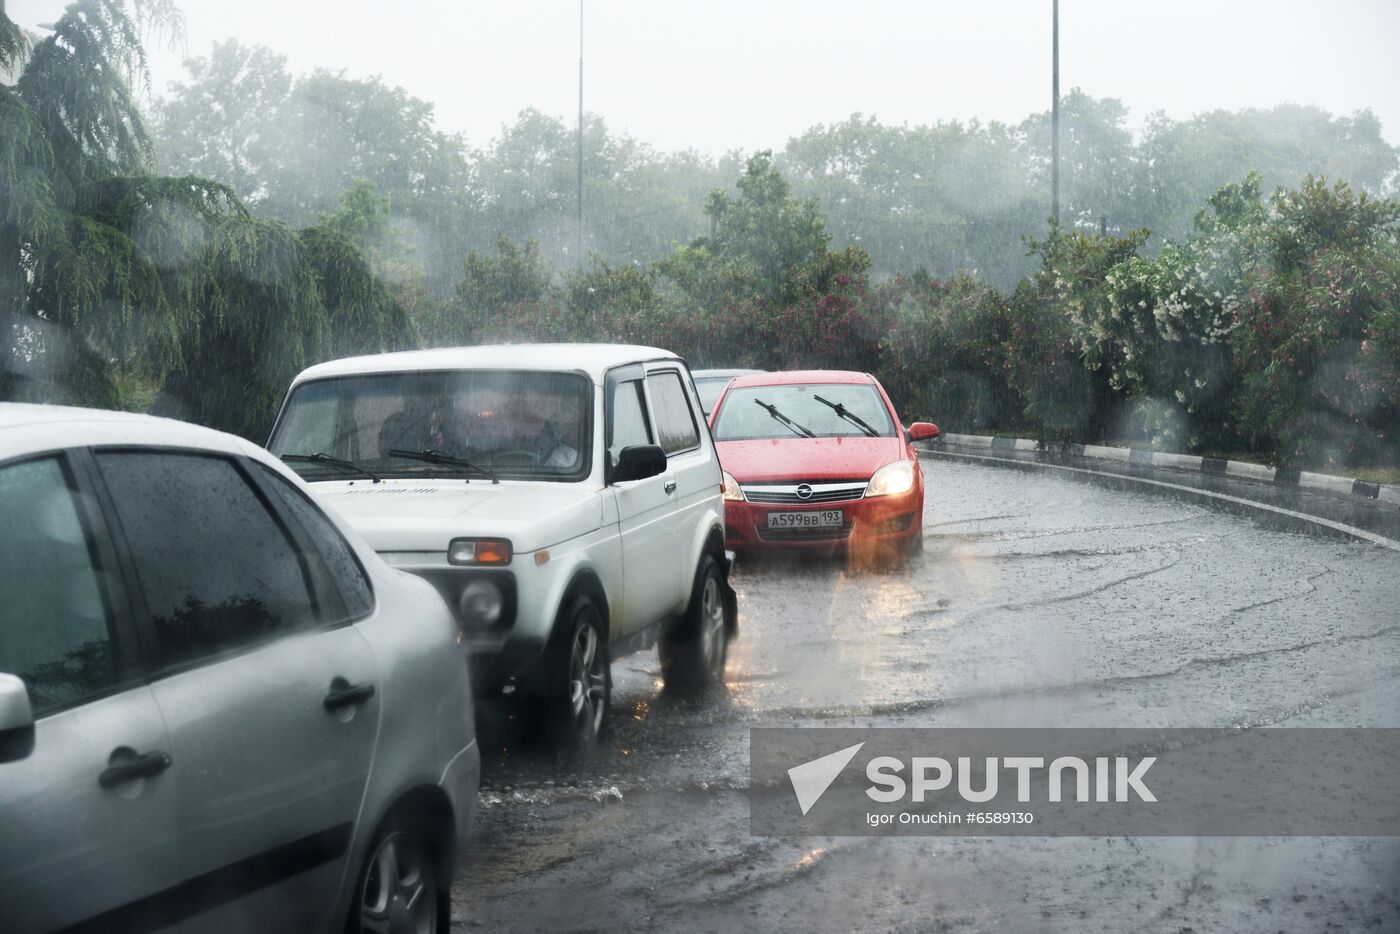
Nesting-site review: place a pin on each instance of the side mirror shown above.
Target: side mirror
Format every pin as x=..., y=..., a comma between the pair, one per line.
x=923, y=431
x=639, y=462
x=16, y=720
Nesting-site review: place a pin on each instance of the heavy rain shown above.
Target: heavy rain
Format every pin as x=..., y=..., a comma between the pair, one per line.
x=443, y=445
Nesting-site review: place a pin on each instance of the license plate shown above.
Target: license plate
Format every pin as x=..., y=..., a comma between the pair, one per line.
x=807, y=519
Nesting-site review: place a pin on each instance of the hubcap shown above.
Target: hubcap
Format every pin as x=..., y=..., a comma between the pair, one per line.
x=712, y=627
x=400, y=891
x=588, y=679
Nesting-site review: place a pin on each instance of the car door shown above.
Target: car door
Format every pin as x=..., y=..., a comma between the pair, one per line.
x=268, y=693
x=88, y=799
x=691, y=475
x=645, y=508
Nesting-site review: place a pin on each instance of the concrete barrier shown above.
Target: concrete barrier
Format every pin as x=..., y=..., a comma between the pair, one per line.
x=1243, y=470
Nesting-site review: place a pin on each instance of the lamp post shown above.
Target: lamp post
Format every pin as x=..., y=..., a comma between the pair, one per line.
x=580, y=134
x=1054, y=113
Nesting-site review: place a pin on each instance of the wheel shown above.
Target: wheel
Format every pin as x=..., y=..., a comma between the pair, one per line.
x=694, y=653
x=578, y=688
x=400, y=888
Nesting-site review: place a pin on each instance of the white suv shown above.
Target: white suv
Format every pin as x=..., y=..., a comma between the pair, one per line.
x=565, y=499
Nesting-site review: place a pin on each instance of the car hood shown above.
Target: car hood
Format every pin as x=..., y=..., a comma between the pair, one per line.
x=790, y=459
x=419, y=515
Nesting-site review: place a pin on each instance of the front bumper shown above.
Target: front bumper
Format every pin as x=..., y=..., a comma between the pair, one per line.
x=503, y=651
x=876, y=520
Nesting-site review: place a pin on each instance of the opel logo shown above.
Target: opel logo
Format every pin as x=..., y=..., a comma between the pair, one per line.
x=804, y=491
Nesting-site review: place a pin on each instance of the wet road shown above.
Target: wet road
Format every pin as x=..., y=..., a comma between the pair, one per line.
x=1040, y=601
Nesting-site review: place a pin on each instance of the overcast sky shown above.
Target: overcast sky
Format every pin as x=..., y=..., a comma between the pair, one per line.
x=748, y=74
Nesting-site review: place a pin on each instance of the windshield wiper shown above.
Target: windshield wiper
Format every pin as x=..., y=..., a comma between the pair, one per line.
x=321, y=457
x=848, y=415
x=772, y=410
x=431, y=456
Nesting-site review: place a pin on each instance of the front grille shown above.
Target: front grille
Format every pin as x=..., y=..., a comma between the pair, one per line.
x=787, y=494
x=830, y=533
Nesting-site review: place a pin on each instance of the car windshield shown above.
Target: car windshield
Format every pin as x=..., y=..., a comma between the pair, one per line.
x=757, y=412
x=473, y=423
x=709, y=388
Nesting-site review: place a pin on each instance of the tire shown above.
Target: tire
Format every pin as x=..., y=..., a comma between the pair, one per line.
x=402, y=885
x=577, y=693
x=694, y=653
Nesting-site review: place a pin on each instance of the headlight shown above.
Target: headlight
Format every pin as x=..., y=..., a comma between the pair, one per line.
x=892, y=479
x=494, y=552
x=731, y=487
x=481, y=604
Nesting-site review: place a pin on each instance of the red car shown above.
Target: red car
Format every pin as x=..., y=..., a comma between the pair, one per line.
x=818, y=459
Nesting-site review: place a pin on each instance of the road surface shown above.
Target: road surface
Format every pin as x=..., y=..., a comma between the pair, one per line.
x=1040, y=601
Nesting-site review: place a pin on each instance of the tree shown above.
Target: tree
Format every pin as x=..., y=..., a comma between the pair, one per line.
x=219, y=124
x=1190, y=160
x=115, y=277
x=74, y=286
x=295, y=145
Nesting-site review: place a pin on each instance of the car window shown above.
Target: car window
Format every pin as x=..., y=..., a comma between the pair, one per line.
x=629, y=420
x=517, y=424
x=825, y=410
x=217, y=570
x=340, y=562
x=709, y=390
x=53, y=621
x=676, y=430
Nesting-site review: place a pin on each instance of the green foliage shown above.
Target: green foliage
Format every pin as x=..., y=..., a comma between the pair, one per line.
x=595, y=293
x=119, y=287
x=1314, y=341
x=218, y=124
x=1268, y=324
x=1060, y=350
x=294, y=146
x=944, y=356
x=492, y=291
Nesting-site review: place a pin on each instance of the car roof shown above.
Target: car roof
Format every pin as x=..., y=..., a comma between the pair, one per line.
x=26, y=428
x=801, y=377
x=593, y=359
x=722, y=374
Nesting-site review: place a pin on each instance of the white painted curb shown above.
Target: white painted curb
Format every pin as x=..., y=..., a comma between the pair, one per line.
x=1323, y=483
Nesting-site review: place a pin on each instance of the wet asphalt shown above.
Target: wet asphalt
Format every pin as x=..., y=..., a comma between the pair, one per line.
x=1040, y=601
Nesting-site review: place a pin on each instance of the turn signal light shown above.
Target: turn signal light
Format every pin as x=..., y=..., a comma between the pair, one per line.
x=494, y=552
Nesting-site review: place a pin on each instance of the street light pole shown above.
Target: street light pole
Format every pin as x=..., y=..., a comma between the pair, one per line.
x=581, y=133
x=1054, y=114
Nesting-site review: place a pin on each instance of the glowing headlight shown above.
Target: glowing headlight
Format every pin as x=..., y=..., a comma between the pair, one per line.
x=892, y=479
x=731, y=487
x=481, y=603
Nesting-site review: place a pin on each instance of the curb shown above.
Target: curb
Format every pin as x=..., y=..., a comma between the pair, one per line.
x=1213, y=466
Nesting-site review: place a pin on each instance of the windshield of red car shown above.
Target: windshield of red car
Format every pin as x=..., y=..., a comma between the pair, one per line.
x=758, y=412
x=514, y=424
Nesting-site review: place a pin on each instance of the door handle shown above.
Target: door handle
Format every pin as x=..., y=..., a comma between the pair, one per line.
x=669, y=486
x=152, y=763
x=343, y=694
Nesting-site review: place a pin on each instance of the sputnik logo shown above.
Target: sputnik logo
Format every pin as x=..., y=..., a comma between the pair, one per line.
x=810, y=780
